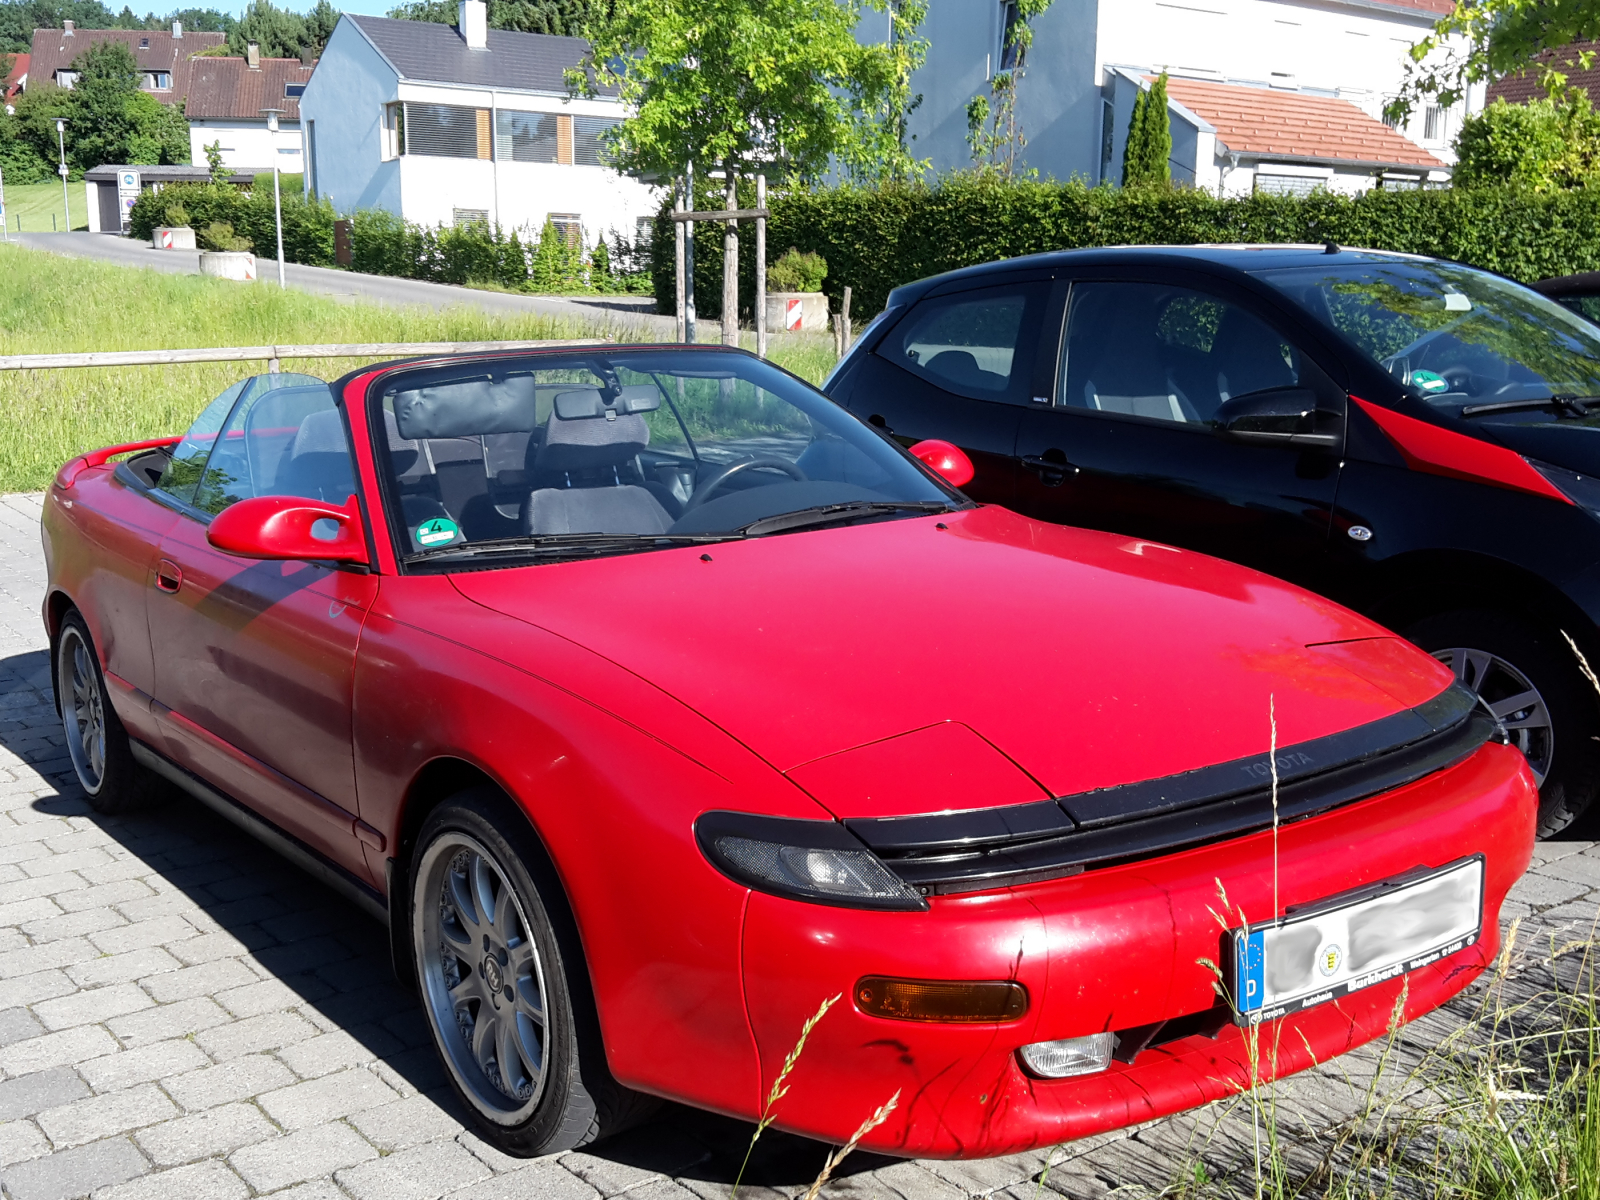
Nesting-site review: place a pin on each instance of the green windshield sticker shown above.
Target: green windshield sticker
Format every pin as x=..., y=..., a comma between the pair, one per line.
x=1429, y=381
x=437, y=532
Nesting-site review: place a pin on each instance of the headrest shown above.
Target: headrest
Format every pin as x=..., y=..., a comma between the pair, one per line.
x=584, y=443
x=467, y=407
x=585, y=404
x=321, y=432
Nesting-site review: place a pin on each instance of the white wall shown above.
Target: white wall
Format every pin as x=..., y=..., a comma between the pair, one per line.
x=345, y=97
x=246, y=145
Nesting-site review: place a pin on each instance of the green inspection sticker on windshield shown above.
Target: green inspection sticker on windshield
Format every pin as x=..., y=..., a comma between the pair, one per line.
x=1429, y=381
x=437, y=531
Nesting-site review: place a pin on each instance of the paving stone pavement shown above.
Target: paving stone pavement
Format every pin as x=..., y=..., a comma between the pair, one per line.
x=182, y=1015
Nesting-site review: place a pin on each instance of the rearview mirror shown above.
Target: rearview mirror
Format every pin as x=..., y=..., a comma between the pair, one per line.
x=1286, y=416
x=290, y=527
x=950, y=461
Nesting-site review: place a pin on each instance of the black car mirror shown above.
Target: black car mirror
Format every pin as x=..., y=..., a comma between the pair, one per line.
x=1289, y=415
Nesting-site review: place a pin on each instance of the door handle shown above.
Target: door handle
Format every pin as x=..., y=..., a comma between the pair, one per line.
x=1052, y=466
x=169, y=578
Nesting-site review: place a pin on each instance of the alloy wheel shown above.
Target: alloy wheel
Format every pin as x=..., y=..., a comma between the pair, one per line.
x=482, y=979
x=83, y=711
x=1511, y=697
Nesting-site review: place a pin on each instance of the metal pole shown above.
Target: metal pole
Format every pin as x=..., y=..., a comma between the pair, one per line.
x=688, y=263
x=677, y=259
x=761, y=269
x=277, y=196
x=730, y=260
x=61, y=143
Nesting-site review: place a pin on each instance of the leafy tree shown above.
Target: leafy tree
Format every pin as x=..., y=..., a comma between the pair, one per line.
x=882, y=154
x=1544, y=146
x=1482, y=40
x=565, y=18
x=993, y=130
x=159, y=135
x=34, y=125
x=214, y=162
x=1147, y=154
x=195, y=20
x=19, y=18
x=102, y=119
x=319, y=28
x=733, y=82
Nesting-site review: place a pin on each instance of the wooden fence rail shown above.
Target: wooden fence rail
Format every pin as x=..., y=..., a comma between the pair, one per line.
x=271, y=355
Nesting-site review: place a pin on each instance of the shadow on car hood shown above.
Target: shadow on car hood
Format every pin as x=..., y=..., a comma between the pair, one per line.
x=1075, y=660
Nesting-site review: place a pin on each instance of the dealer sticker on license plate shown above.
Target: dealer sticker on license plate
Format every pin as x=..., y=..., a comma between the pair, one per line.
x=1330, y=951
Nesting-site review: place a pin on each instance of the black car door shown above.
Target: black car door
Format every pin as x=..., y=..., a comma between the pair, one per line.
x=1182, y=413
x=962, y=366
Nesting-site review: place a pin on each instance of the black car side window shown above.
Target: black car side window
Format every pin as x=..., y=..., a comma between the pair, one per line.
x=1166, y=353
x=978, y=344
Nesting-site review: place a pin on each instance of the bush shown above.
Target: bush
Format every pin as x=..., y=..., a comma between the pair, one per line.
x=1545, y=145
x=796, y=272
x=878, y=238
x=219, y=235
x=307, y=225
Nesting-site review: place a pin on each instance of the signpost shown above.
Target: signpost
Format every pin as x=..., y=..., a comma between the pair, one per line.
x=127, y=196
x=3, y=233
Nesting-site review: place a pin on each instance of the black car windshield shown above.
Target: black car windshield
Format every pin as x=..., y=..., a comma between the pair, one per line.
x=1467, y=342
x=614, y=451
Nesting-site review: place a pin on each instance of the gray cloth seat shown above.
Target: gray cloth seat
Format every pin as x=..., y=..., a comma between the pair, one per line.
x=594, y=449
x=625, y=509
x=318, y=465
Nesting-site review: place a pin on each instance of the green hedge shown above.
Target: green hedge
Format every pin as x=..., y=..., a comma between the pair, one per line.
x=875, y=239
x=307, y=226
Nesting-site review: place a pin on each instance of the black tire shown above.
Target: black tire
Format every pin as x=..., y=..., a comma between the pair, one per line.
x=574, y=1100
x=97, y=742
x=1567, y=755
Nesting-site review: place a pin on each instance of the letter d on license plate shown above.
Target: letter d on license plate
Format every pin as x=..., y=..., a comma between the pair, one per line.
x=1344, y=944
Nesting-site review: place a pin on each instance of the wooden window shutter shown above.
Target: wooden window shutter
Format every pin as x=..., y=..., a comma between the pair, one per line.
x=564, y=139
x=483, y=133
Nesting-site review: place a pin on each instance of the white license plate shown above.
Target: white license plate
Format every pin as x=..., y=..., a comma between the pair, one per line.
x=1327, y=952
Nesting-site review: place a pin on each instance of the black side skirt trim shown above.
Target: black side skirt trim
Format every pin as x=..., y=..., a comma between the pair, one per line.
x=311, y=861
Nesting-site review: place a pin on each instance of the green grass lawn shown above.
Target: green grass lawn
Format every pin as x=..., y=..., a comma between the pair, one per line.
x=31, y=206
x=55, y=305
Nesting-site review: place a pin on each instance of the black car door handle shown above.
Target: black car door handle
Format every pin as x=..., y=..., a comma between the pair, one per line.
x=1052, y=466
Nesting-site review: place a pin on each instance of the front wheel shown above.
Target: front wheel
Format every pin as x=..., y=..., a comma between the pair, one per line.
x=97, y=743
x=504, y=985
x=1529, y=678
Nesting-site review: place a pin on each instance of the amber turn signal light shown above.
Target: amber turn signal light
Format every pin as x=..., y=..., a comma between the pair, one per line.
x=960, y=1002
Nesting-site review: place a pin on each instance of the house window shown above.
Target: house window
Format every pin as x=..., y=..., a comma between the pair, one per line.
x=588, y=140
x=446, y=131
x=311, y=157
x=157, y=81
x=293, y=91
x=394, y=130
x=1108, y=137
x=1010, y=55
x=66, y=78
x=569, y=226
x=1288, y=185
x=644, y=232
x=144, y=43
x=463, y=218
x=525, y=137
x=1433, y=124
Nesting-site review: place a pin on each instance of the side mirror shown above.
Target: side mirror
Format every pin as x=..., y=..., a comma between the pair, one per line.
x=1285, y=416
x=290, y=527
x=950, y=461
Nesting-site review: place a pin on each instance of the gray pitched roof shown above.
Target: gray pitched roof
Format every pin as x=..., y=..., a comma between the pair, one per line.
x=424, y=52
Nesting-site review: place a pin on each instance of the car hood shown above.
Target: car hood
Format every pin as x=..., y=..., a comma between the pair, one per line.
x=975, y=659
x=1566, y=444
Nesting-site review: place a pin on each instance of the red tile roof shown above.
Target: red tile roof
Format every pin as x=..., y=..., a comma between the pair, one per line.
x=228, y=88
x=12, y=83
x=54, y=50
x=1522, y=87
x=1442, y=7
x=1291, y=125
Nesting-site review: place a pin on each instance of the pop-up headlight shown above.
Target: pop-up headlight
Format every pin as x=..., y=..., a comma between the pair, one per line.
x=819, y=861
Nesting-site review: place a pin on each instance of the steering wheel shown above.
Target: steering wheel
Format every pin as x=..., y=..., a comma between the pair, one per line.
x=707, y=486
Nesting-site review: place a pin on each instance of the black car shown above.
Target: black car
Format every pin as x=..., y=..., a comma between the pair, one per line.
x=1580, y=293
x=1415, y=438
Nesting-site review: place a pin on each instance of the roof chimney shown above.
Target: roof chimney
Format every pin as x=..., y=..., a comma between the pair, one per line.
x=472, y=23
x=252, y=55
x=177, y=29
x=67, y=29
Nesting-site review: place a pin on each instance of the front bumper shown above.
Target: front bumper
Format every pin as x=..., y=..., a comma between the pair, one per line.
x=1112, y=949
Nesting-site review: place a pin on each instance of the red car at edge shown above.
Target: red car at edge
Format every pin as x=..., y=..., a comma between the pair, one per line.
x=652, y=700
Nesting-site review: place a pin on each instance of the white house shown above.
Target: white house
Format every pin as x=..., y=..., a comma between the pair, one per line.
x=1298, y=86
x=448, y=125
x=227, y=97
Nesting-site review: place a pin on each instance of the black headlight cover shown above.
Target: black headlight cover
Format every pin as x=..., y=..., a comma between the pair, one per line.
x=820, y=862
x=1582, y=490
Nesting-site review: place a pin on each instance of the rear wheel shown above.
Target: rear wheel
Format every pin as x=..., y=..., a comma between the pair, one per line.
x=1529, y=678
x=97, y=743
x=504, y=984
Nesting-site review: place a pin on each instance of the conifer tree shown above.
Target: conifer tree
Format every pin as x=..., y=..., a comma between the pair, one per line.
x=1145, y=158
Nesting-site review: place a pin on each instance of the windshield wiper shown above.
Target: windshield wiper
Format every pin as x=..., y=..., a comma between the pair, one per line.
x=827, y=514
x=1573, y=406
x=555, y=545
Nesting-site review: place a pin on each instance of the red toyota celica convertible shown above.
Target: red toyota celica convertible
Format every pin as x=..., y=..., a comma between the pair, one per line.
x=652, y=700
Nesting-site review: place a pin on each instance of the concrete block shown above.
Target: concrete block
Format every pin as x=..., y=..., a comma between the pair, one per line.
x=168, y=1021
x=199, y=1181
x=327, y=1099
x=204, y=1135
x=123, y=968
x=205, y=979
x=97, y=1117
x=17, y=1025
x=92, y=1006
x=536, y=1179
x=20, y=1141
x=158, y=1060
x=30, y=989
x=41, y=958
x=335, y=1051
x=421, y=1173
x=118, y=892
x=56, y=1050
x=209, y=947
x=410, y=1122
x=254, y=1034
x=143, y=933
x=70, y=1173
x=226, y=1082
x=297, y=1157
x=72, y=924
x=29, y=1094
x=272, y=995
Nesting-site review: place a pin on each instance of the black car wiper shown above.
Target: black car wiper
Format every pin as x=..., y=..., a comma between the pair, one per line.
x=828, y=514
x=1575, y=406
x=554, y=545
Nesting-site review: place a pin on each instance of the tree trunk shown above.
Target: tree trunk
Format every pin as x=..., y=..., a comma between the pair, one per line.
x=730, y=263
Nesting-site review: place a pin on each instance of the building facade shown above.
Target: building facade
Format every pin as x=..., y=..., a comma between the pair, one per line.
x=1321, y=69
x=226, y=108
x=164, y=57
x=451, y=125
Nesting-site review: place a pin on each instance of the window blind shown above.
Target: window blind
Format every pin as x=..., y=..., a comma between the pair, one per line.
x=446, y=130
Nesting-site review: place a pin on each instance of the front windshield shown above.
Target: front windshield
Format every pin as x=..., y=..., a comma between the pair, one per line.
x=607, y=451
x=1458, y=338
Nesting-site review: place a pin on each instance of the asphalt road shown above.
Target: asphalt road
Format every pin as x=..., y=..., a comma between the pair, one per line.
x=624, y=312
